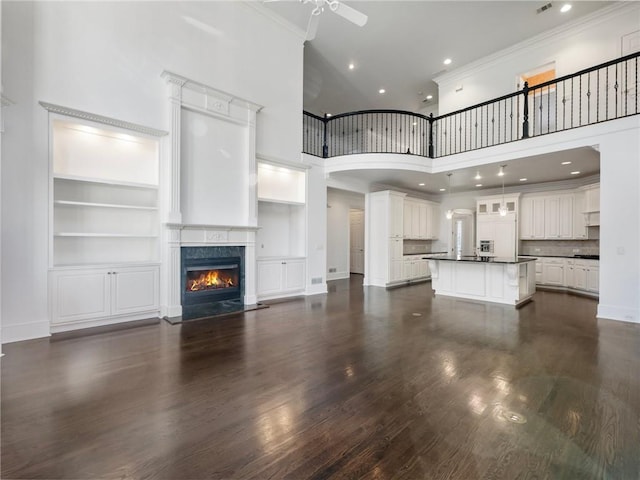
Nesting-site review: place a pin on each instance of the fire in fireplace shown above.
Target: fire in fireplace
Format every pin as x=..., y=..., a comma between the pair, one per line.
x=212, y=278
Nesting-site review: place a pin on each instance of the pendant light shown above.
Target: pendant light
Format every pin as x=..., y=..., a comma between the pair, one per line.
x=449, y=213
x=503, y=206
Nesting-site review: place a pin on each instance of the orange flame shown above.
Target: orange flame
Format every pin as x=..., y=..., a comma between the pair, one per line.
x=208, y=280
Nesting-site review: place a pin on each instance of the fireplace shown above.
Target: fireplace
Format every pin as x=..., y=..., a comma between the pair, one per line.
x=211, y=281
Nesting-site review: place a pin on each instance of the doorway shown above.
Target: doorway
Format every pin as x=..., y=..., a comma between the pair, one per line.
x=356, y=241
x=462, y=233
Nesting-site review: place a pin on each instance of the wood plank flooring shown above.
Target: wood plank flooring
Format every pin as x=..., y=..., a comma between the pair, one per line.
x=359, y=383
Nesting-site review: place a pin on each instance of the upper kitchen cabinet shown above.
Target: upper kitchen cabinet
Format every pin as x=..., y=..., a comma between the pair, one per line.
x=592, y=205
x=421, y=219
x=532, y=218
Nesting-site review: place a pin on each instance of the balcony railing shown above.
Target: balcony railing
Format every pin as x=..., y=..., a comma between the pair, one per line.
x=604, y=92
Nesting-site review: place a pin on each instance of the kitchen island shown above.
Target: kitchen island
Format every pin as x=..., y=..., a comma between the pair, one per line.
x=511, y=281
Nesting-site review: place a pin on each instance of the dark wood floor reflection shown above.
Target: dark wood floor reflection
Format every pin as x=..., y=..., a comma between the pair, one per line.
x=359, y=383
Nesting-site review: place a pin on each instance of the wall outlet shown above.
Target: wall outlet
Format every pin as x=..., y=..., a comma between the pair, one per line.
x=333, y=269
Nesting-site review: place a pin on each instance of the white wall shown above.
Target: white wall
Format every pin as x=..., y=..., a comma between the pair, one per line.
x=106, y=58
x=339, y=203
x=583, y=43
x=316, y=226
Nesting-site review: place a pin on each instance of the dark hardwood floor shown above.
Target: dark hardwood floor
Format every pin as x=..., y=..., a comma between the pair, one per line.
x=359, y=383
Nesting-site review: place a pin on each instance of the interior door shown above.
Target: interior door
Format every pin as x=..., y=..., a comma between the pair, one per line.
x=356, y=241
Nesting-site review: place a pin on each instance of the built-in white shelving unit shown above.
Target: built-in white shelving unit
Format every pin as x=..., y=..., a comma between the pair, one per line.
x=104, y=220
x=281, y=238
x=104, y=195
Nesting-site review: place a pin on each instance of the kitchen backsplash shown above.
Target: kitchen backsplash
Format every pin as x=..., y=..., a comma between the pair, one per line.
x=559, y=247
x=416, y=247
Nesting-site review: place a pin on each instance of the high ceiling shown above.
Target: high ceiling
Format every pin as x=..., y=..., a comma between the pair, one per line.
x=402, y=48
x=404, y=43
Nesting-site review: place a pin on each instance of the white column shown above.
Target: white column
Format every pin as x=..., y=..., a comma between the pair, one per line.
x=174, y=214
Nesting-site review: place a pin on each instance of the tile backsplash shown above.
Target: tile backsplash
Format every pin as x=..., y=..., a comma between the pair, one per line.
x=416, y=247
x=559, y=247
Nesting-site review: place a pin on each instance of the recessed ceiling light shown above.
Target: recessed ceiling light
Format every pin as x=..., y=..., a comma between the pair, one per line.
x=565, y=8
x=351, y=66
x=429, y=97
x=478, y=184
x=421, y=184
x=443, y=189
x=447, y=61
x=523, y=179
x=382, y=90
x=565, y=163
x=501, y=172
x=575, y=173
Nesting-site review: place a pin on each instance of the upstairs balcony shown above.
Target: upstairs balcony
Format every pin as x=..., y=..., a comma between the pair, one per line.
x=598, y=94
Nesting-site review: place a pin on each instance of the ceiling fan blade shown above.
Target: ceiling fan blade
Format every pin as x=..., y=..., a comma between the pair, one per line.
x=351, y=14
x=312, y=28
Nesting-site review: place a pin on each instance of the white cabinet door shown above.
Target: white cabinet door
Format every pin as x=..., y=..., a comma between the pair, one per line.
x=579, y=224
x=565, y=216
x=539, y=278
x=553, y=272
x=592, y=199
x=526, y=218
x=504, y=241
x=551, y=217
x=407, y=216
x=406, y=269
x=433, y=225
x=396, y=216
x=134, y=290
x=423, y=268
x=80, y=294
x=593, y=277
x=293, y=275
x=538, y=218
x=580, y=276
x=269, y=277
x=420, y=220
x=569, y=273
x=415, y=269
x=395, y=249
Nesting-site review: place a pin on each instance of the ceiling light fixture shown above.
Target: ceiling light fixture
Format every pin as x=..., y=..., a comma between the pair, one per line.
x=503, y=206
x=429, y=97
x=478, y=184
x=421, y=184
x=351, y=66
x=447, y=61
x=382, y=90
x=327, y=114
x=523, y=179
x=565, y=163
x=575, y=173
x=443, y=189
x=477, y=177
x=449, y=213
x=565, y=8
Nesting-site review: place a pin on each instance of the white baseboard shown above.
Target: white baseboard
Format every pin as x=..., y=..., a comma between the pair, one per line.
x=621, y=314
x=316, y=289
x=250, y=299
x=101, y=322
x=170, y=311
x=25, y=331
x=338, y=275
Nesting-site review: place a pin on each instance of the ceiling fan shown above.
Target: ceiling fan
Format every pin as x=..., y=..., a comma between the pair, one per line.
x=337, y=7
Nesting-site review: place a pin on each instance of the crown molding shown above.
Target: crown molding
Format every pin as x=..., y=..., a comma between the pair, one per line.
x=279, y=162
x=72, y=112
x=277, y=19
x=554, y=35
x=209, y=91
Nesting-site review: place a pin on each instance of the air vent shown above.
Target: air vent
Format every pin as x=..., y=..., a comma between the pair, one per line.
x=544, y=7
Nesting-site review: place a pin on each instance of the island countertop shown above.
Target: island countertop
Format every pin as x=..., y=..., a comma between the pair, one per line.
x=484, y=260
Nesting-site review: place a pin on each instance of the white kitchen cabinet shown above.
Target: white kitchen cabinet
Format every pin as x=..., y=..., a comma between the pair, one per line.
x=500, y=230
x=569, y=273
x=593, y=278
x=551, y=217
x=579, y=221
x=396, y=216
x=553, y=271
x=531, y=218
x=592, y=198
x=420, y=220
x=280, y=276
x=588, y=275
x=414, y=267
x=110, y=294
x=565, y=216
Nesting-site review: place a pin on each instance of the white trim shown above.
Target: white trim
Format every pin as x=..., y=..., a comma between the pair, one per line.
x=337, y=276
x=316, y=289
x=278, y=162
x=611, y=312
x=101, y=322
x=72, y=112
x=277, y=19
x=25, y=331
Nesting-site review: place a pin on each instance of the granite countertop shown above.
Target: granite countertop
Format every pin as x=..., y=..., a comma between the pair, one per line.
x=583, y=257
x=474, y=259
x=423, y=253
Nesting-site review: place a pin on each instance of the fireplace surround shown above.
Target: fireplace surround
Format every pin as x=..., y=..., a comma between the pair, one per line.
x=212, y=280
